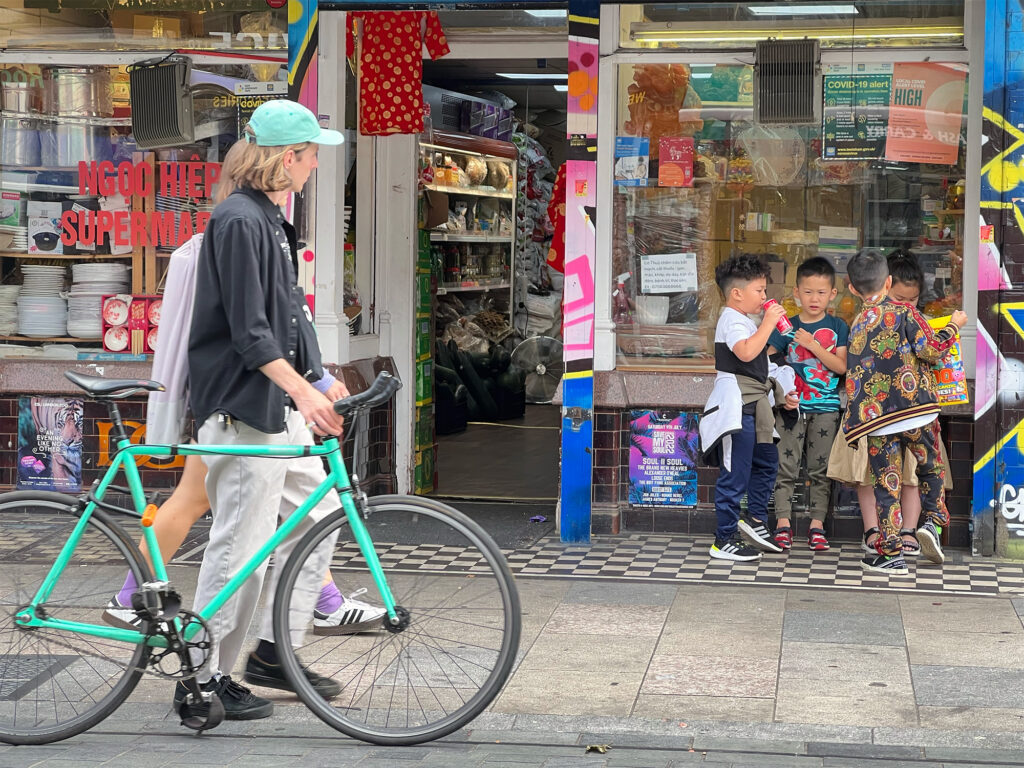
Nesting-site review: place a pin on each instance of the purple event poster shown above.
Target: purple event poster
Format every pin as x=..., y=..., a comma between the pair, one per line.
x=50, y=444
x=663, y=458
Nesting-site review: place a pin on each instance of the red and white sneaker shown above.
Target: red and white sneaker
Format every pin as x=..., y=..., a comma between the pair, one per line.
x=816, y=540
x=783, y=537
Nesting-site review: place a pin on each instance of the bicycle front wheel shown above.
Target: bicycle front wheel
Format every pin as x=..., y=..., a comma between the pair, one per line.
x=435, y=674
x=55, y=684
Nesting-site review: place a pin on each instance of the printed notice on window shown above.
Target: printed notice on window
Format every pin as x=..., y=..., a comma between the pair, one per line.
x=668, y=272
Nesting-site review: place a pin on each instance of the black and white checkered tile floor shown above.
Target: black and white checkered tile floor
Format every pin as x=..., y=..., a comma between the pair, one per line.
x=685, y=559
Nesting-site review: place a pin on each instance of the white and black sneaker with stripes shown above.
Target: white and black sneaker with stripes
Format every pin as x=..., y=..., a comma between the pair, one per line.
x=890, y=565
x=733, y=549
x=756, y=532
x=353, y=616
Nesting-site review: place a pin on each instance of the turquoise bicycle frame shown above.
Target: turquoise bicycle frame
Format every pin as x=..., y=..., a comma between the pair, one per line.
x=337, y=478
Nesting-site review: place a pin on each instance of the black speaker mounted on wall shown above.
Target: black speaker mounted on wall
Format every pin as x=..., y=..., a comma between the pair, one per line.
x=161, y=102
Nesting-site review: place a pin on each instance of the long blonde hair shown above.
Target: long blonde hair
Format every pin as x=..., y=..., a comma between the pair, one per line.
x=228, y=181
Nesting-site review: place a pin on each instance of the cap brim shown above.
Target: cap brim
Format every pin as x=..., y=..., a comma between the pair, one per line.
x=329, y=137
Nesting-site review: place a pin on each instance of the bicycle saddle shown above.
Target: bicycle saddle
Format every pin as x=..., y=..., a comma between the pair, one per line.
x=99, y=387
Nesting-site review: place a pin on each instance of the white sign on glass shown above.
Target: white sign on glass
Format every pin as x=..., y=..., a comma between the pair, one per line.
x=668, y=272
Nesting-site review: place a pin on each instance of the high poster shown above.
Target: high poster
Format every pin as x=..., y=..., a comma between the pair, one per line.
x=925, y=113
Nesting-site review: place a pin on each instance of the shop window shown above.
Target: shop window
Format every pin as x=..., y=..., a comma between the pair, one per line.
x=696, y=181
x=236, y=25
x=75, y=188
x=871, y=24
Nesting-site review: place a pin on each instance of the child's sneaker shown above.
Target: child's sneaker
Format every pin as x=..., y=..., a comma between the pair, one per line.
x=784, y=537
x=929, y=535
x=816, y=540
x=733, y=549
x=757, y=533
x=890, y=565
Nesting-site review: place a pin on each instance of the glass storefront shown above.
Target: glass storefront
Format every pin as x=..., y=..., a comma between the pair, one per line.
x=698, y=178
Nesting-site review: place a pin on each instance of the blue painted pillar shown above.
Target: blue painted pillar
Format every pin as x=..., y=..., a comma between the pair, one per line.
x=578, y=295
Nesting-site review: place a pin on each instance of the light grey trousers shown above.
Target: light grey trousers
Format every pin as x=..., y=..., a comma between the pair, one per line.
x=248, y=495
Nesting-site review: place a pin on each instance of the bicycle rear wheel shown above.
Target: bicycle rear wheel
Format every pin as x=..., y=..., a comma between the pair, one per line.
x=439, y=672
x=55, y=684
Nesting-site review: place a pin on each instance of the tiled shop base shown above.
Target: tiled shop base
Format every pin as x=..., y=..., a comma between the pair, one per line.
x=674, y=559
x=643, y=557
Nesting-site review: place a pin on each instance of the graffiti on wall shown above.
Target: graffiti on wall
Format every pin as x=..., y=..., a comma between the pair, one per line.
x=999, y=410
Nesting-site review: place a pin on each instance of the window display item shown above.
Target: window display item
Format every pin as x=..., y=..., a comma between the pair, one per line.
x=19, y=141
x=949, y=375
x=77, y=91
x=777, y=154
x=655, y=97
x=391, y=67
x=130, y=323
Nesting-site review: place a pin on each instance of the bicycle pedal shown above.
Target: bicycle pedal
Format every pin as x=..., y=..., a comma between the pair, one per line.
x=202, y=715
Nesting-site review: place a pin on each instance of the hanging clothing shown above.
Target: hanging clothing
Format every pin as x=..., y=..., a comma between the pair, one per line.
x=390, y=67
x=556, y=214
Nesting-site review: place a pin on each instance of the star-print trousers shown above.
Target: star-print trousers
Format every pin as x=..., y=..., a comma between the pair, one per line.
x=885, y=457
x=811, y=436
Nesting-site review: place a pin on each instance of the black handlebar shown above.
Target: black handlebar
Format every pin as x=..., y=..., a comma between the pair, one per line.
x=383, y=389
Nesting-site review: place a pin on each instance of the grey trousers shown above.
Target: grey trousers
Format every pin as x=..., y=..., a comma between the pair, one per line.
x=248, y=495
x=810, y=439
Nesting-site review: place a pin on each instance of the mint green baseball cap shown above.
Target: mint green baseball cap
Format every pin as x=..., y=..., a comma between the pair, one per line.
x=280, y=122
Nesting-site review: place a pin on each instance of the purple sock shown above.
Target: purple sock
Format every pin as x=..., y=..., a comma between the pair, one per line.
x=124, y=597
x=330, y=598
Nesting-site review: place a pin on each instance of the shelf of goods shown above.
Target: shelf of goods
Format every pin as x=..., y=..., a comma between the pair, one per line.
x=474, y=253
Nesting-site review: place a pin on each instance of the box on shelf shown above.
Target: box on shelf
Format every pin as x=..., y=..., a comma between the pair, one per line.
x=131, y=323
x=12, y=209
x=425, y=476
x=424, y=339
x=38, y=209
x=44, y=236
x=425, y=381
x=424, y=294
x=424, y=426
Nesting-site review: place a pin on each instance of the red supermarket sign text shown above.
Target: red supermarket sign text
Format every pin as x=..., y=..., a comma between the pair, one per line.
x=119, y=226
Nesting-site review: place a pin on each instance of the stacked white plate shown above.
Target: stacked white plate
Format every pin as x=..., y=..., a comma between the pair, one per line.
x=42, y=316
x=41, y=280
x=42, y=311
x=9, y=309
x=19, y=237
x=91, y=283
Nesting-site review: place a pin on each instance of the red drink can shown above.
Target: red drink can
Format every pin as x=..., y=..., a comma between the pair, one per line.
x=783, y=323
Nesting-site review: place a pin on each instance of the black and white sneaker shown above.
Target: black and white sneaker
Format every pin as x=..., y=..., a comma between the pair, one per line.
x=756, y=532
x=929, y=536
x=890, y=565
x=353, y=616
x=121, y=616
x=733, y=549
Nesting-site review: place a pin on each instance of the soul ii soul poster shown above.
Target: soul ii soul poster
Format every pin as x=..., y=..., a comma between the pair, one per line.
x=50, y=444
x=663, y=458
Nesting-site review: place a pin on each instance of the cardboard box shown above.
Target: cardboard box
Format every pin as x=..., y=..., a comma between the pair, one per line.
x=44, y=236
x=424, y=426
x=425, y=381
x=425, y=476
x=12, y=209
x=40, y=210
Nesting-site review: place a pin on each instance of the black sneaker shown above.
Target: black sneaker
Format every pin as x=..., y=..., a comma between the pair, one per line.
x=891, y=565
x=259, y=672
x=756, y=532
x=929, y=536
x=733, y=549
x=239, y=702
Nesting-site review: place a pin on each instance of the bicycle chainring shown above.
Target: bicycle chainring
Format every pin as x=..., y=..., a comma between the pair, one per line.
x=181, y=659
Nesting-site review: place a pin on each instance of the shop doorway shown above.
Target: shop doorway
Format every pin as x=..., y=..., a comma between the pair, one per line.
x=495, y=142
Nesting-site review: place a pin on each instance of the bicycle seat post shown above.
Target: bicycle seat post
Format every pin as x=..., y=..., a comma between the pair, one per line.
x=115, y=419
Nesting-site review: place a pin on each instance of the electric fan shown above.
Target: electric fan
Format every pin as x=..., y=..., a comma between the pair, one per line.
x=540, y=357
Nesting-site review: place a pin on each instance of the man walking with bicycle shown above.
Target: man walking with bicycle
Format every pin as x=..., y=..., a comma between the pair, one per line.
x=252, y=355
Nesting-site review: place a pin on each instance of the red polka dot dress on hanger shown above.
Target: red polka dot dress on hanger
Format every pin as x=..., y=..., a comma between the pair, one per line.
x=391, y=67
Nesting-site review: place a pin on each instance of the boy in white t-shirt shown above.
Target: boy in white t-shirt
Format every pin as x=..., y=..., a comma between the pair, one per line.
x=738, y=425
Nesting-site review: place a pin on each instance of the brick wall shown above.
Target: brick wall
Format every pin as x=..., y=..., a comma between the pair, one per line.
x=378, y=463
x=613, y=513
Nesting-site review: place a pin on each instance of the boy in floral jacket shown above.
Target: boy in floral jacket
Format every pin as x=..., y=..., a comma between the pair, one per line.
x=892, y=401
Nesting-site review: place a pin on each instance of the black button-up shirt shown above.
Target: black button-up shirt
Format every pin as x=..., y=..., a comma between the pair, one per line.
x=248, y=312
